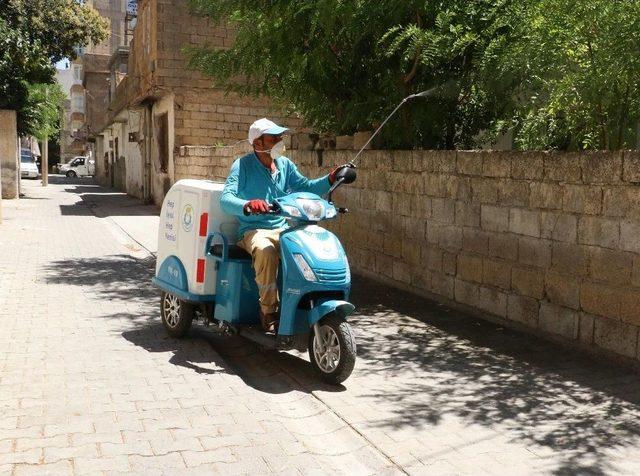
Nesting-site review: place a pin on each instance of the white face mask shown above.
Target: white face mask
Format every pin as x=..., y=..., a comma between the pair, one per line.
x=276, y=151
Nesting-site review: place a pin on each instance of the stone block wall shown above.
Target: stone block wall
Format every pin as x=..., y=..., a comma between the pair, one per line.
x=204, y=113
x=212, y=117
x=96, y=77
x=9, y=155
x=207, y=162
x=549, y=242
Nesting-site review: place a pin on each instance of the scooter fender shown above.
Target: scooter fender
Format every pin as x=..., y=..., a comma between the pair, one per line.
x=341, y=308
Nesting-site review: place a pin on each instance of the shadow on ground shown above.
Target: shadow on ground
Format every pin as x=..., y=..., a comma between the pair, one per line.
x=98, y=200
x=59, y=179
x=551, y=399
x=547, y=396
x=125, y=279
x=27, y=197
x=106, y=204
x=116, y=277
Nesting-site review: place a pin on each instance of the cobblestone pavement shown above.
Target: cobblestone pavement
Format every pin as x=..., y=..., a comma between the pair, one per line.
x=90, y=383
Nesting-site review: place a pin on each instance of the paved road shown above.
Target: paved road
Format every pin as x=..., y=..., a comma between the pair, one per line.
x=89, y=382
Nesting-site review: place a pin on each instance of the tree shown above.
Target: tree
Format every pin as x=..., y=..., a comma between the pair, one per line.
x=344, y=65
x=579, y=64
x=34, y=35
x=43, y=110
x=561, y=74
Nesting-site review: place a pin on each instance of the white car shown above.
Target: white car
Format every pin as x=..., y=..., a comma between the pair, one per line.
x=28, y=167
x=80, y=166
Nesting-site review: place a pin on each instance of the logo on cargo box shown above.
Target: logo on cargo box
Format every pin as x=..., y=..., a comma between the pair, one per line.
x=187, y=218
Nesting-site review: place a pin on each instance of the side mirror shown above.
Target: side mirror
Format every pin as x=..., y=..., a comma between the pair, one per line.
x=347, y=174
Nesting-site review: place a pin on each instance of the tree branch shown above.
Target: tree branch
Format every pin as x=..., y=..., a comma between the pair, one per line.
x=416, y=59
x=603, y=124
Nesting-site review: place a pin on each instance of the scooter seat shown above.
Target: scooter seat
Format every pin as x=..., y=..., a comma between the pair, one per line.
x=235, y=252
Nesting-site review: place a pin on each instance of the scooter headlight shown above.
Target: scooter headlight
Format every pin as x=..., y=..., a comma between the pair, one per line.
x=312, y=208
x=292, y=211
x=331, y=212
x=304, y=267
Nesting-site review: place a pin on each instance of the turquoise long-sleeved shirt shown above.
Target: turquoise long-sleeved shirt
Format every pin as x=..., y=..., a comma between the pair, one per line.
x=249, y=179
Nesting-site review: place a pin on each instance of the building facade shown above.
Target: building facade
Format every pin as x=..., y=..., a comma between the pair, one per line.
x=88, y=95
x=73, y=140
x=157, y=104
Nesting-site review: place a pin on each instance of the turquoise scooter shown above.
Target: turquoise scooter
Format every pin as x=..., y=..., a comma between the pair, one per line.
x=314, y=281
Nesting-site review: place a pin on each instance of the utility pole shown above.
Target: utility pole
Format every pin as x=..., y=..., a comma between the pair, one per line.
x=45, y=161
x=45, y=152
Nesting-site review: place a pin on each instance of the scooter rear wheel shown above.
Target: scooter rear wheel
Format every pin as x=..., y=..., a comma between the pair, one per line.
x=333, y=352
x=177, y=315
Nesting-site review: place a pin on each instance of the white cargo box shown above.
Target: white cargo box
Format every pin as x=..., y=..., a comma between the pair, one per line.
x=190, y=211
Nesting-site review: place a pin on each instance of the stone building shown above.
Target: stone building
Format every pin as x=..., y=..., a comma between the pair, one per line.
x=72, y=136
x=89, y=94
x=86, y=84
x=157, y=104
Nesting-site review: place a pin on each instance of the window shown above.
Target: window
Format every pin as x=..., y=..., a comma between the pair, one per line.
x=77, y=72
x=132, y=7
x=78, y=103
x=130, y=20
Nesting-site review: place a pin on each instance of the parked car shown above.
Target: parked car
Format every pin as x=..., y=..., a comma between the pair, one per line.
x=28, y=167
x=80, y=166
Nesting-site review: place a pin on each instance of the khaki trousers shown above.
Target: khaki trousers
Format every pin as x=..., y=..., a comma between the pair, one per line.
x=264, y=248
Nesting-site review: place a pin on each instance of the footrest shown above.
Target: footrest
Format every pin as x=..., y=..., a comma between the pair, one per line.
x=257, y=335
x=235, y=252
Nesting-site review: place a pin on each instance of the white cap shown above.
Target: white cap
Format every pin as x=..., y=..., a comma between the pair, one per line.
x=264, y=126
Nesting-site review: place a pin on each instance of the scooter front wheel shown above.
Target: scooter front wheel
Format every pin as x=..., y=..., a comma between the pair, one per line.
x=177, y=315
x=332, y=349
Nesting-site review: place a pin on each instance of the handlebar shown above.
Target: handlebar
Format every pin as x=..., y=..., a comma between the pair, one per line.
x=345, y=175
x=273, y=208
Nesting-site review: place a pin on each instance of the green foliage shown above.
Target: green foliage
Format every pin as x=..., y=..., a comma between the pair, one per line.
x=558, y=73
x=43, y=110
x=344, y=65
x=34, y=34
x=580, y=67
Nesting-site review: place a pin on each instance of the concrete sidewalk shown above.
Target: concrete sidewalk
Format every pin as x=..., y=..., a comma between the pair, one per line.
x=91, y=383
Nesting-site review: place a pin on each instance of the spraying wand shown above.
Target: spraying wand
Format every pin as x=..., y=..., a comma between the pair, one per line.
x=411, y=96
x=350, y=175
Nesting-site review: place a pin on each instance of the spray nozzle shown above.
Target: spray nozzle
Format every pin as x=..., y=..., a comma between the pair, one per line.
x=422, y=94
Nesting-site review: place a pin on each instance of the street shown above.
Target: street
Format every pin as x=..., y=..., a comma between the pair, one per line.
x=91, y=383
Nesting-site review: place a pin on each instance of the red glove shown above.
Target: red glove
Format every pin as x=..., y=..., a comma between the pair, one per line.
x=332, y=174
x=256, y=207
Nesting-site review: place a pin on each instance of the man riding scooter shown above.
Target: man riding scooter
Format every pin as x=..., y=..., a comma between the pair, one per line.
x=254, y=181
